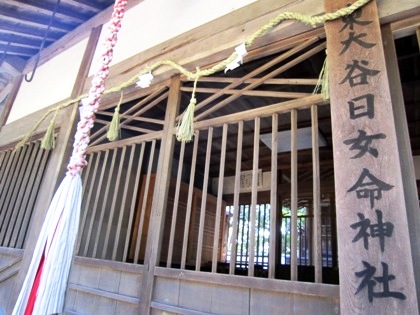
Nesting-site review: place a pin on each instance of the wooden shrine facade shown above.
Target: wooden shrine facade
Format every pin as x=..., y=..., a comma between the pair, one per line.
x=247, y=218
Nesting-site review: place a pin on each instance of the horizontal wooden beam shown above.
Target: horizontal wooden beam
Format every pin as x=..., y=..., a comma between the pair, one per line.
x=276, y=94
x=304, y=102
x=103, y=294
x=405, y=27
x=114, y=265
x=175, y=309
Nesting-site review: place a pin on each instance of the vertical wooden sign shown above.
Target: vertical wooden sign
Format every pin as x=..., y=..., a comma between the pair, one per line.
x=376, y=271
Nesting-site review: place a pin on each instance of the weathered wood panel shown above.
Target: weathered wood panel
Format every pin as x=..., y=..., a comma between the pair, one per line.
x=103, y=287
x=10, y=263
x=266, y=302
x=188, y=292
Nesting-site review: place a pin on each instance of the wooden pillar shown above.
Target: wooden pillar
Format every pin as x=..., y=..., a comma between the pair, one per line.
x=157, y=217
x=405, y=152
x=375, y=264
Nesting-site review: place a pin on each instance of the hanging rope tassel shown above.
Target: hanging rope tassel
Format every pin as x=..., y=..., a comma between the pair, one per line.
x=48, y=141
x=323, y=85
x=114, y=131
x=185, y=126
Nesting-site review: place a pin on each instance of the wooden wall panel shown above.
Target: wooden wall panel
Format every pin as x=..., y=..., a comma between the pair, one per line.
x=266, y=302
x=10, y=263
x=182, y=296
x=102, y=287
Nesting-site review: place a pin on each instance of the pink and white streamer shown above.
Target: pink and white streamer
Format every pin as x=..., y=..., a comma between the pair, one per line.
x=43, y=291
x=92, y=102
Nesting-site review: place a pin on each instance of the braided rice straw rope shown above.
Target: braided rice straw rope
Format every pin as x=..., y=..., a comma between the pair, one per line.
x=92, y=101
x=93, y=95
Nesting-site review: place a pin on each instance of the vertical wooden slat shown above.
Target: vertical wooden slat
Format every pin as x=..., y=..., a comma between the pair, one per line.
x=133, y=200
x=316, y=196
x=3, y=168
x=114, y=200
x=104, y=207
x=86, y=182
x=6, y=190
x=38, y=176
x=124, y=198
x=3, y=156
x=85, y=172
x=236, y=198
x=24, y=174
x=25, y=187
x=189, y=201
x=11, y=208
x=273, y=198
x=11, y=194
x=18, y=236
x=3, y=187
x=116, y=188
x=14, y=184
x=6, y=172
x=258, y=236
x=95, y=205
x=254, y=198
x=265, y=239
x=244, y=248
x=219, y=209
x=86, y=206
x=144, y=203
x=203, y=207
x=294, y=201
x=175, y=207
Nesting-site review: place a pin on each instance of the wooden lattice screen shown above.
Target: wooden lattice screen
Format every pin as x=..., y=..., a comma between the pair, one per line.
x=115, y=207
x=21, y=174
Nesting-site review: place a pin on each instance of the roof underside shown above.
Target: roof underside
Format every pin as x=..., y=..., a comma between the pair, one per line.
x=28, y=25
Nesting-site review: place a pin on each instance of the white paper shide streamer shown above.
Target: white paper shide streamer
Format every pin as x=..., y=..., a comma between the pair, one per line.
x=46, y=281
x=57, y=246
